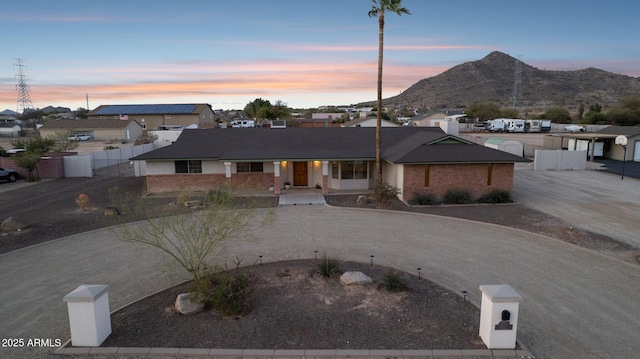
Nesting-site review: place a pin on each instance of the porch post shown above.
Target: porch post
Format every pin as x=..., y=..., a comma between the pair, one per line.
x=276, y=177
x=227, y=169
x=325, y=177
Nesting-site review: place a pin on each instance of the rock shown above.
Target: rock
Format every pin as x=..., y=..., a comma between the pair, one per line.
x=111, y=212
x=13, y=224
x=185, y=306
x=355, y=278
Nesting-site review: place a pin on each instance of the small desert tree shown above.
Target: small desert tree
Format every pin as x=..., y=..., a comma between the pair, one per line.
x=62, y=142
x=195, y=239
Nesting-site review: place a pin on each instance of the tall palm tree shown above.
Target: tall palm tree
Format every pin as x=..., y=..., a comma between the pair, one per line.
x=379, y=8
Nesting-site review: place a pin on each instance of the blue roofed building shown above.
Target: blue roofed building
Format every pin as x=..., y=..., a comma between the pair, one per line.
x=159, y=116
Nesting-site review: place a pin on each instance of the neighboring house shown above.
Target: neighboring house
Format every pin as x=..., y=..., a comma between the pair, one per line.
x=9, y=129
x=369, y=122
x=600, y=143
x=103, y=130
x=616, y=152
x=416, y=160
x=154, y=117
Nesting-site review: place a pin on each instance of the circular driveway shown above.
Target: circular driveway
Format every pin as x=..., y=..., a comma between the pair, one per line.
x=577, y=303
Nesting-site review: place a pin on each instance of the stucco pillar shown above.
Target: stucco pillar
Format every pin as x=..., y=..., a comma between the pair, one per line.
x=499, y=316
x=325, y=177
x=227, y=169
x=276, y=177
x=89, y=315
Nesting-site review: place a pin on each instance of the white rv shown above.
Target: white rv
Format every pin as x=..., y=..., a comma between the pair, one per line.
x=514, y=125
x=496, y=125
x=532, y=126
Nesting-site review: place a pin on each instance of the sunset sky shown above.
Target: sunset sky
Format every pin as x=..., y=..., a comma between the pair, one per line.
x=304, y=53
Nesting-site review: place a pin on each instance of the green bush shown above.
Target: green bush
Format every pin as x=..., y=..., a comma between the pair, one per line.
x=496, y=196
x=227, y=292
x=384, y=193
x=425, y=199
x=458, y=196
x=221, y=197
x=329, y=267
x=393, y=282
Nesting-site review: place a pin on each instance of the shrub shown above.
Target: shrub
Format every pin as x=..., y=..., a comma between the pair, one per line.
x=225, y=291
x=384, y=193
x=496, y=196
x=83, y=201
x=393, y=282
x=221, y=196
x=183, y=198
x=458, y=196
x=329, y=267
x=425, y=199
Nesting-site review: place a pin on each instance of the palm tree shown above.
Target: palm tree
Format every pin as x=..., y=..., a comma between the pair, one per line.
x=379, y=8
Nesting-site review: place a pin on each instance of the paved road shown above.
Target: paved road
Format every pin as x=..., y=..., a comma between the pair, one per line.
x=577, y=303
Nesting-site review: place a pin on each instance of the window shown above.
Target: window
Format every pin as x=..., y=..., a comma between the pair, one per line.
x=426, y=175
x=360, y=170
x=489, y=174
x=347, y=169
x=353, y=170
x=334, y=170
x=191, y=166
x=249, y=167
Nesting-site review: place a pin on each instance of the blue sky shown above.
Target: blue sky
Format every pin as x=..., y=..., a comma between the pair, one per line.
x=304, y=53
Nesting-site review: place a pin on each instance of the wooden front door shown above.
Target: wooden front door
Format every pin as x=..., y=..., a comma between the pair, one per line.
x=300, y=174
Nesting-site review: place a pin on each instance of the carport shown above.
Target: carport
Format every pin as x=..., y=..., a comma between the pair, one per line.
x=592, y=139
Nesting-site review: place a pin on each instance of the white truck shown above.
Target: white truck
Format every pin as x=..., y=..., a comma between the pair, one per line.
x=79, y=137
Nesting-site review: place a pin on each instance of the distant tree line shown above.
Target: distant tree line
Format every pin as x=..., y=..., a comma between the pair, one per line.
x=625, y=113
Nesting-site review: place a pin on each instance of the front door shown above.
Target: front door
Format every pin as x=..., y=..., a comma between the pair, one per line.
x=300, y=174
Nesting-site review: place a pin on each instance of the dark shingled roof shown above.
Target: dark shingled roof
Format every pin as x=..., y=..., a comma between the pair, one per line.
x=399, y=145
x=162, y=109
x=629, y=131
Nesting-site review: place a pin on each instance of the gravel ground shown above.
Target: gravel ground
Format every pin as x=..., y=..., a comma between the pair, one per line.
x=295, y=308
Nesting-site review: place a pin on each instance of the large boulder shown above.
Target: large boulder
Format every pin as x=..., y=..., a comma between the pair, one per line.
x=185, y=306
x=12, y=224
x=355, y=278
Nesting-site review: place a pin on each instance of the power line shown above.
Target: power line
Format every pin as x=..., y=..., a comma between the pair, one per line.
x=516, y=95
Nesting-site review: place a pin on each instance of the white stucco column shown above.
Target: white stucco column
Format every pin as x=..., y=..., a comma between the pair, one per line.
x=227, y=169
x=89, y=315
x=499, y=316
x=276, y=168
x=325, y=168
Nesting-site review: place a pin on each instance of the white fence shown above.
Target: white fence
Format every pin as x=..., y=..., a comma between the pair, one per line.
x=113, y=162
x=558, y=160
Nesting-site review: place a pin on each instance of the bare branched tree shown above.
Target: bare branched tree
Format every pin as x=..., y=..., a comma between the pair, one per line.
x=195, y=239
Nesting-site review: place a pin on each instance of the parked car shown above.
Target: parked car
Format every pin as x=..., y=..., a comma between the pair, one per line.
x=79, y=137
x=574, y=128
x=7, y=174
x=13, y=151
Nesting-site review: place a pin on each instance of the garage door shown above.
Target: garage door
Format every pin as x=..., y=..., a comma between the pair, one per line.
x=636, y=151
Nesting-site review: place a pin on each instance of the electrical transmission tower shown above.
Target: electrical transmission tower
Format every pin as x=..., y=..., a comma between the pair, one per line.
x=24, y=100
x=516, y=95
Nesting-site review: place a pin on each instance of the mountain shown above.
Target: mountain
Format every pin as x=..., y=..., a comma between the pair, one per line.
x=492, y=79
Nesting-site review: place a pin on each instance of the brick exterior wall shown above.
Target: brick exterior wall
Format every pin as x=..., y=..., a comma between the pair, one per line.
x=470, y=177
x=184, y=182
x=51, y=166
x=205, y=182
